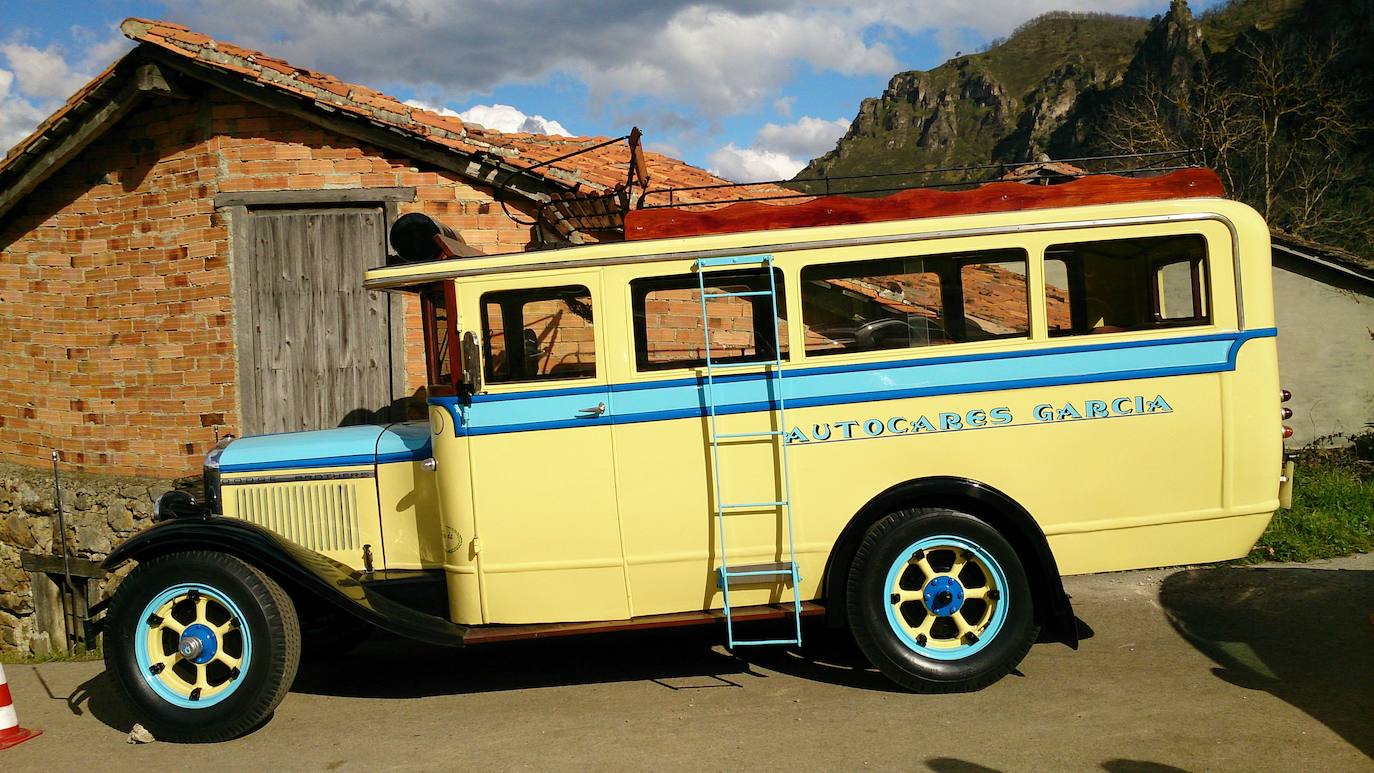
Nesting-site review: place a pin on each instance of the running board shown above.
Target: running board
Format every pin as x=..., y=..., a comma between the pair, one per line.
x=484, y=634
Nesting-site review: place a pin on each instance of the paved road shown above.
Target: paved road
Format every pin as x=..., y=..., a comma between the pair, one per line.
x=1206, y=669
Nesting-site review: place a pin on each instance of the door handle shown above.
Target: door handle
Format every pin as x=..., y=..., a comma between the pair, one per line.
x=595, y=410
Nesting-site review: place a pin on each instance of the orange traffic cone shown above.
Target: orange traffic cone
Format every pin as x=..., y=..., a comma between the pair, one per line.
x=11, y=734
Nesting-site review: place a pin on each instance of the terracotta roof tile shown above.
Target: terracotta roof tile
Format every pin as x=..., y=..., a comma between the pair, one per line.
x=595, y=171
x=601, y=169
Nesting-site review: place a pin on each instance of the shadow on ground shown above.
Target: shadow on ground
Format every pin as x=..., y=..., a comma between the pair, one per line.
x=1303, y=635
x=393, y=668
x=388, y=667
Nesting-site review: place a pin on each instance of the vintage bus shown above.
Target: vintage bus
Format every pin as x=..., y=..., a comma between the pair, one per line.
x=909, y=416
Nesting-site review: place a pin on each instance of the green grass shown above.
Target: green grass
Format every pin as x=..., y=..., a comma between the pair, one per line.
x=1332, y=515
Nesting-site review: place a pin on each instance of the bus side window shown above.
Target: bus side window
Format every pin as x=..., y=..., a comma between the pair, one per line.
x=899, y=303
x=538, y=334
x=1126, y=284
x=667, y=320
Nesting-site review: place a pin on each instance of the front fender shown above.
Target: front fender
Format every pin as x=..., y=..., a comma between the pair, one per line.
x=295, y=568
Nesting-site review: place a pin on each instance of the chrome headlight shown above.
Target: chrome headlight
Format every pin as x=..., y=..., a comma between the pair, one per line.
x=210, y=476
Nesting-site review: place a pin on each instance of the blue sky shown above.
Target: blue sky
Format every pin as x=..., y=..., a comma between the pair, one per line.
x=749, y=88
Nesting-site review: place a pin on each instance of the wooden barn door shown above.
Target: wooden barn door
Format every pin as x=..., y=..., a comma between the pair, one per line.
x=316, y=350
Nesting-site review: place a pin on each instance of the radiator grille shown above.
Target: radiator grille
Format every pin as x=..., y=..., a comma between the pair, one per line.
x=322, y=516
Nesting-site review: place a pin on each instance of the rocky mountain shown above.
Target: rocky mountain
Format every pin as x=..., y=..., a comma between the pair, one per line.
x=1277, y=95
x=1002, y=104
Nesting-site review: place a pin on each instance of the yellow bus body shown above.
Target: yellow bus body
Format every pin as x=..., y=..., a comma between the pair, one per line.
x=535, y=519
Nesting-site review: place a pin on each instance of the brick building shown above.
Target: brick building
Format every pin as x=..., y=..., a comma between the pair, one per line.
x=182, y=247
x=154, y=229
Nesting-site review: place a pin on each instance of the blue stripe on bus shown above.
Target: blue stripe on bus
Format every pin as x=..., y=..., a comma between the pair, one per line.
x=838, y=384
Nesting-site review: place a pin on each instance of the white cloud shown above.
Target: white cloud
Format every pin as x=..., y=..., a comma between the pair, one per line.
x=37, y=81
x=42, y=73
x=18, y=116
x=502, y=118
x=505, y=118
x=779, y=150
x=706, y=59
x=727, y=62
x=715, y=57
x=807, y=138
x=747, y=165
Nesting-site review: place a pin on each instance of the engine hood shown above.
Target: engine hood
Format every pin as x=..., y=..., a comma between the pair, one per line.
x=339, y=447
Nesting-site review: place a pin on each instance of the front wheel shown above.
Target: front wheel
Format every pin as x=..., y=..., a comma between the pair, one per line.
x=939, y=602
x=201, y=645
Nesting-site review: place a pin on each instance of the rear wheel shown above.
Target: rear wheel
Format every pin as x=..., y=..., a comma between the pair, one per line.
x=939, y=602
x=201, y=645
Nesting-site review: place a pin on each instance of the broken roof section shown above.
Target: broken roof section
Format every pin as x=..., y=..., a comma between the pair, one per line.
x=1325, y=255
x=528, y=164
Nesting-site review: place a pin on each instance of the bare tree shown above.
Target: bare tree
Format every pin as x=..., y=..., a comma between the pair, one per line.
x=1278, y=126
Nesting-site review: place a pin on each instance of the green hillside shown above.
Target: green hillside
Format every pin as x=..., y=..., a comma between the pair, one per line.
x=996, y=105
x=1277, y=95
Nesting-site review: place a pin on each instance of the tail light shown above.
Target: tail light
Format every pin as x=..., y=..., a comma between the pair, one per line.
x=1286, y=413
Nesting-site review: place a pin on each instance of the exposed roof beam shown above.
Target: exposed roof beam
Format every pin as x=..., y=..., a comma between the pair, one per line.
x=481, y=170
x=109, y=112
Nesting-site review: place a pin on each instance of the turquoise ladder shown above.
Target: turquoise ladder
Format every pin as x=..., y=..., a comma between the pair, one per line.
x=747, y=574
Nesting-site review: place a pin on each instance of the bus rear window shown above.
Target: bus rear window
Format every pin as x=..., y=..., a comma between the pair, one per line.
x=900, y=303
x=1126, y=284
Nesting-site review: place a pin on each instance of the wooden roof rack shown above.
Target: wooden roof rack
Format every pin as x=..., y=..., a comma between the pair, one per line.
x=764, y=214
x=642, y=212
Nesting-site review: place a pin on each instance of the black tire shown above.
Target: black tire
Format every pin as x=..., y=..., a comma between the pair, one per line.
x=268, y=625
x=883, y=629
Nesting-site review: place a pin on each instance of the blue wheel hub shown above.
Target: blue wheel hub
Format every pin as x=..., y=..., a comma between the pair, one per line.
x=198, y=644
x=943, y=596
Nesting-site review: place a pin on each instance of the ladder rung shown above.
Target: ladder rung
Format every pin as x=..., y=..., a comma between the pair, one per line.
x=754, y=364
x=760, y=570
x=748, y=294
x=739, y=643
x=733, y=260
x=770, y=433
x=745, y=505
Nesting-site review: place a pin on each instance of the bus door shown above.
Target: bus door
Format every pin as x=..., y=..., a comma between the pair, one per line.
x=539, y=433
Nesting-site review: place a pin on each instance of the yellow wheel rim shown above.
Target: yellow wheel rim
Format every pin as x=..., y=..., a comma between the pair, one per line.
x=192, y=647
x=947, y=597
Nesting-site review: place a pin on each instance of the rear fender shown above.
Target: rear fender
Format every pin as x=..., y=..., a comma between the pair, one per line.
x=297, y=569
x=1053, y=611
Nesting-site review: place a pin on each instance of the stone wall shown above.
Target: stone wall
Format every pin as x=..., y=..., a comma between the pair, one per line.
x=100, y=512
